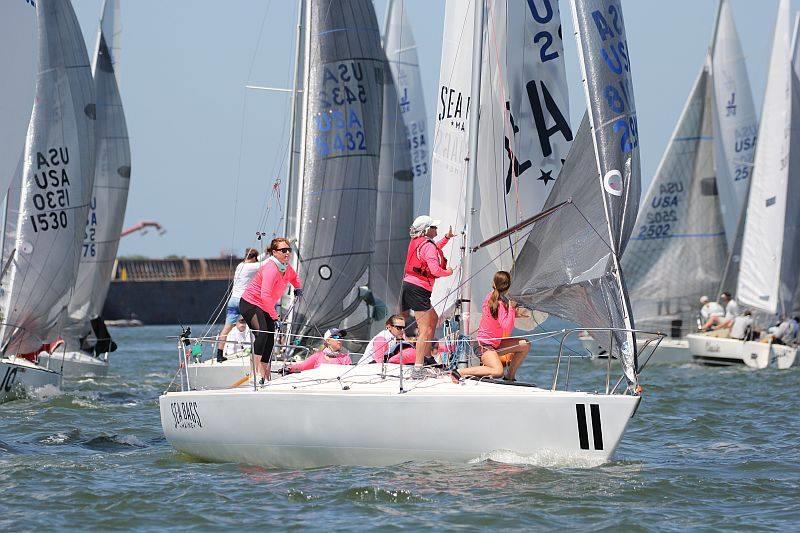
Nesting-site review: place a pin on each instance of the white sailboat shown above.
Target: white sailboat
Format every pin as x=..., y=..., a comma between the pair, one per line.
x=85, y=357
x=57, y=173
x=768, y=281
x=678, y=251
x=360, y=415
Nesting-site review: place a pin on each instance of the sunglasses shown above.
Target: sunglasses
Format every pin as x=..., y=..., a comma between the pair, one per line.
x=398, y=326
x=433, y=227
x=284, y=250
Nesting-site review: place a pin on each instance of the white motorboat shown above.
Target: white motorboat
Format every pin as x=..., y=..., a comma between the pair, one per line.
x=337, y=415
x=76, y=364
x=720, y=351
x=669, y=351
x=20, y=377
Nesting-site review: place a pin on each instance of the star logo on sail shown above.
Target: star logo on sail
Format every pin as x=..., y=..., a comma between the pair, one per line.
x=546, y=176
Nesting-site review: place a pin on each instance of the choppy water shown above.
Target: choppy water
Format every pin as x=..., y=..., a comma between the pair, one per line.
x=708, y=448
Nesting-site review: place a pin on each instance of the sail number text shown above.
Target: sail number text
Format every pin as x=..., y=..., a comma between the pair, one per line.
x=50, y=198
x=338, y=128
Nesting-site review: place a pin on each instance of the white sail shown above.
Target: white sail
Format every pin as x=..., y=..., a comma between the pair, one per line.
x=18, y=65
x=766, y=229
x=677, y=252
x=56, y=185
x=735, y=121
x=524, y=132
x=401, y=51
x=111, y=181
x=451, y=139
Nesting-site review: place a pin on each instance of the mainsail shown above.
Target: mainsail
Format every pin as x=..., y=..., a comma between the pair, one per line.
x=451, y=139
x=56, y=185
x=18, y=65
x=735, y=121
x=524, y=132
x=343, y=104
x=401, y=51
x=569, y=265
x=111, y=181
x=678, y=251
x=768, y=276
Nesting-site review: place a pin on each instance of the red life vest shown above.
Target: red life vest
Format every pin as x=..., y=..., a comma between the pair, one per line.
x=417, y=266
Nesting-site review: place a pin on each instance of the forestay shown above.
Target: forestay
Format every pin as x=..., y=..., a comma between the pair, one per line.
x=56, y=185
x=735, y=121
x=18, y=67
x=111, y=181
x=524, y=132
x=569, y=263
x=343, y=103
x=401, y=51
x=770, y=251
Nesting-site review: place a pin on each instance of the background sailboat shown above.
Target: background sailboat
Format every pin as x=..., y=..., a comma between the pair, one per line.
x=678, y=250
x=56, y=185
x=768, y=279
x=106, y=212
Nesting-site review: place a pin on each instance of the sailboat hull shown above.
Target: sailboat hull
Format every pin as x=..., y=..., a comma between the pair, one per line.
x=669, y=351
x=19, y=377
x=300, y=422
x=76, y=364
x=722, y=352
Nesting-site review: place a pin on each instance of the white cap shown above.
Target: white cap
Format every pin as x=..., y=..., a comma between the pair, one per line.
x=704, y=299
x=423, y=222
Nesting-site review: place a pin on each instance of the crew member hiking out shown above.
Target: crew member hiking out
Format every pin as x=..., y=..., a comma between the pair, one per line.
x=425, y=262
x=257, y=303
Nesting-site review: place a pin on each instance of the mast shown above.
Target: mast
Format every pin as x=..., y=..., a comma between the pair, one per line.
x=623, y=295
x=291, y=190
x=470, y=216
x=716, y=29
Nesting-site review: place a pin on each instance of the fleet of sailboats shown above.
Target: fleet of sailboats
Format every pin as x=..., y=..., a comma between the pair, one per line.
x=555, y=203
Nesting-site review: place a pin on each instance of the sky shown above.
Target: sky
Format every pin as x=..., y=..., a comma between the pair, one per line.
x=206, y=150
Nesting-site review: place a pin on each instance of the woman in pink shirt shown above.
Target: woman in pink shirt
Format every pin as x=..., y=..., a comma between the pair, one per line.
x=332, y=354
x=425, y=262
x=497, y=323
x=257, y=303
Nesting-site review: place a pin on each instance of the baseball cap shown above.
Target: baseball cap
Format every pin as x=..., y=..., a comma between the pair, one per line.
x=423, y=222
x=335, y=333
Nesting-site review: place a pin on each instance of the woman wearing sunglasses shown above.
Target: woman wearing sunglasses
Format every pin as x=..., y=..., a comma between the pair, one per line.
x=257, y=304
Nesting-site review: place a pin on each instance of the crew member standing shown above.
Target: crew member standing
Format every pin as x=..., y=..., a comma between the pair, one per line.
x=257, y=304
x=425, y=262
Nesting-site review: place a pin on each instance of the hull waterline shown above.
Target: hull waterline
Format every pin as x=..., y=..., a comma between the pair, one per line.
x=19, y=377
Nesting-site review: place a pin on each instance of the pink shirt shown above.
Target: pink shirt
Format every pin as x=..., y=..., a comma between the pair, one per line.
x=491, y=330
x=268, y=285
x=430, y=255
x=409, y=356
x=322, y=357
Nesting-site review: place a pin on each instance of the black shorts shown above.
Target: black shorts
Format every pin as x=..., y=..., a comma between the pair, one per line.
x=415, y=298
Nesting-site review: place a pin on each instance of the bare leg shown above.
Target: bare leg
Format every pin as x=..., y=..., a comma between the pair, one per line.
x=518, y=348
x=223, y=336
x=490, y=366
x=426, y=322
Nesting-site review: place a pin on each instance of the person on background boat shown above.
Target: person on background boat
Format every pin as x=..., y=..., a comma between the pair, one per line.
x=239, y=339
x=497, y=323
x=257, y=304
x=425, y=262
x=241, y=279
x=382, y=345
x=709, y=309
x=720, y=323
x=785, y=332
x=742, y=327
x=331, y=354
